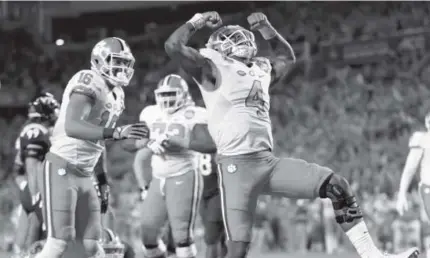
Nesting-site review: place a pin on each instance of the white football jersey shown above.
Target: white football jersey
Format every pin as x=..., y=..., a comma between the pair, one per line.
x=238, y=110
x=181, y=123
x=422, y=140
x=108, y=106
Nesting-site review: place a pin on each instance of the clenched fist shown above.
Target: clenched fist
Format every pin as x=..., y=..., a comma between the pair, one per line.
x=258, y=21
x=209, y=19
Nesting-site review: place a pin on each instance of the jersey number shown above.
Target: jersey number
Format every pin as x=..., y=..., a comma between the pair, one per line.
x=108, y=121
x=175, y=129
x=205, y=164
x=32, y=133
x=85, y=78
x=255, y=97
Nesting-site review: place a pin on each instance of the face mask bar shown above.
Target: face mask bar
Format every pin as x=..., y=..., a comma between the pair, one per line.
x=168, y=100
x=240, y=43
x=118, y=71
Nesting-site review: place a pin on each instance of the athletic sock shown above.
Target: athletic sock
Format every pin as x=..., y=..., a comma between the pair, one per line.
x=363, y=243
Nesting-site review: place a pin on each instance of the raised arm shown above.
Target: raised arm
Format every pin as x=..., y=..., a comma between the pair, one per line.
x=176, y=45
x=280, y=64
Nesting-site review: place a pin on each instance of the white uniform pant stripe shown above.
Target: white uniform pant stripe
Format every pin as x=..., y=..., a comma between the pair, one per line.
x=197, y=193
x=47, y=199
x=223, y=204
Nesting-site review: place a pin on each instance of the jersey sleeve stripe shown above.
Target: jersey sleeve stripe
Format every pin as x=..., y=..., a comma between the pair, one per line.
x=83, y=90
x=34, y=146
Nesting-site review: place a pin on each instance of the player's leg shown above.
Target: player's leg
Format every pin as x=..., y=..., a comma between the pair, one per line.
x=59, y=197
x=183, y=195
x=296, y=178
x=425, y=197
x=22, y=231
x=29, y=226
x=210, y=212
x=241, y=179
x=154, y=216
x=88, y=218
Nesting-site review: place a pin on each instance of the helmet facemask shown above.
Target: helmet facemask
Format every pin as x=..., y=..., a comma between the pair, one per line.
x=170, y=100
x=234, y=43
x=118, y=68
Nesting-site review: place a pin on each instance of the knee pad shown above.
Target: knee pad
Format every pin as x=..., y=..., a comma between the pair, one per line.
x=338, y=190
x=186, y=250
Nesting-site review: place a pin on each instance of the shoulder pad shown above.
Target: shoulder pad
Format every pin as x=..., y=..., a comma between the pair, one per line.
x=417, y=140
x=213, y=55
x=89, y=83
x=149, y=113
x=263, y=63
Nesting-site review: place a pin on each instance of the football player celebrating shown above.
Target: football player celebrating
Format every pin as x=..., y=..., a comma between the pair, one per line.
x=32, y=145
x=418, y=159
x=176, y=187
x=210, y=208
x=234, y=83
x=92, y=102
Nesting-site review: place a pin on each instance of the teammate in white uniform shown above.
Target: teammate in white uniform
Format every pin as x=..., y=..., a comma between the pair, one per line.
x=235, y=87
x=418, y=160
x=92, y=102
x=175, y=190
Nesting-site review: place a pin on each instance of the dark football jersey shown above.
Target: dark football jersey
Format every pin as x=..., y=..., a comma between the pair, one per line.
x=208, y=168
x=33, y=141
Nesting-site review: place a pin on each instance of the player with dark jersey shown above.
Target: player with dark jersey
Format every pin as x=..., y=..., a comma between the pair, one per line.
x=210, y=208
x=31, y=145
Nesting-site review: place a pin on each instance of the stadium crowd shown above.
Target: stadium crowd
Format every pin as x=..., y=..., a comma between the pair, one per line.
x=340, y=106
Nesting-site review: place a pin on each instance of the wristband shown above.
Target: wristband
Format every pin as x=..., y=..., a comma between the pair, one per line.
x=102, y=179
x=268, y=33
x=197, y=21
x=108, y=133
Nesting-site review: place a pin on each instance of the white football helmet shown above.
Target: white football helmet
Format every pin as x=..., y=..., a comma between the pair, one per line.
x=233, y=41
x=112, y=59
x=172, y=93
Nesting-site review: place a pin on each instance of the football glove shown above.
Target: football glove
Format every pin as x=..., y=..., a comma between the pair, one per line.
x=258, y=21
x=103, y=192
x=134, y=131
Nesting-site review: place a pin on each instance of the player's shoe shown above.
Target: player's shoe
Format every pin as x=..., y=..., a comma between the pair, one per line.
x=410, y=253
